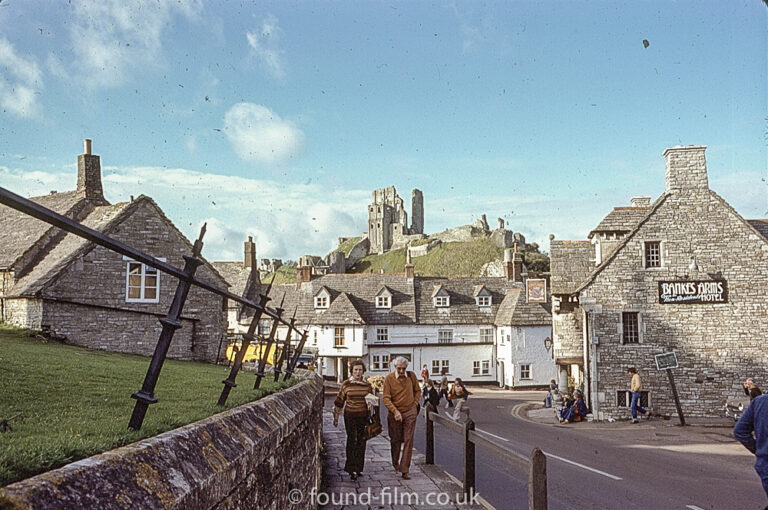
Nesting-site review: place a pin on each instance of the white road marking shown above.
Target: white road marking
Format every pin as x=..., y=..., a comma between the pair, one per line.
x=613, y=477
x=694, y=507
x=492, y=435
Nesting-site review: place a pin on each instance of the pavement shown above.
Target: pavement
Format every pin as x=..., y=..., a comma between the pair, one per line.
x=381, y=487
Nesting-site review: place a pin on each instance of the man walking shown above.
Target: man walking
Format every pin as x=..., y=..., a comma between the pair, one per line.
x=401, y=396
x=636, y=387
x=755, y=421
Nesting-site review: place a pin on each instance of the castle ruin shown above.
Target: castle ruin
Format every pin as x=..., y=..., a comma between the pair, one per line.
x=388, y=220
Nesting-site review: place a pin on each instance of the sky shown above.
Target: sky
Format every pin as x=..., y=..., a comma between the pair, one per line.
x=278, y=119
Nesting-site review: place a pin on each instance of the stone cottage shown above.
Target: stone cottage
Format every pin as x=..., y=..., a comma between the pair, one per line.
x=684, y=274
x=87, y=295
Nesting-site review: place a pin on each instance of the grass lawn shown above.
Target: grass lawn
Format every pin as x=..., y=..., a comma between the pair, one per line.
x=75, y=402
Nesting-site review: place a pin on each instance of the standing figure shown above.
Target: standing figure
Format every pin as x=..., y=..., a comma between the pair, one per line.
x=431, y=396
x=444, y=389
x=636, y=388
x=751, y=389
x=424, y=376
x=752, y=431
x=401, y=396
x=459, y=393
x=351, y=398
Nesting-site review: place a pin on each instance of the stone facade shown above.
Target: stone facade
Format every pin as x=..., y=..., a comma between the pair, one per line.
x=248, y=457
x=700, y=238
x=388, y=220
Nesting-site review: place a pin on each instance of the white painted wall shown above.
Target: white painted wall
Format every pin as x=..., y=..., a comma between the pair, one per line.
x=525, y=346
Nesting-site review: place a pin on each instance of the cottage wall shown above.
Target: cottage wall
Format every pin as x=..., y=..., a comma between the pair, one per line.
x=568, y=332
x=717, y=345
x=92, y=311
x=23, y=313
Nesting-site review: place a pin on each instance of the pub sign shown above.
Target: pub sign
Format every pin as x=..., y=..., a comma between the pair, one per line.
x=708, y=292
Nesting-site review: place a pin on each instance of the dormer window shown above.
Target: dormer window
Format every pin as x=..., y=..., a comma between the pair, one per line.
x=482, y=296
x=440, y=297
x=441, y=301
x=384, y=299
x=322, y=299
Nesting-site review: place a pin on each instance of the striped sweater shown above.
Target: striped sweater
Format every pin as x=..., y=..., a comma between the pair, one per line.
x=351, y=398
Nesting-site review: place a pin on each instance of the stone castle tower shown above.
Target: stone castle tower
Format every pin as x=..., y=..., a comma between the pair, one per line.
x=387, y=218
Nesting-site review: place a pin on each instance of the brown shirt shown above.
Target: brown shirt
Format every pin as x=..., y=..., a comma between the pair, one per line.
x=352, y=393
x=401, y=393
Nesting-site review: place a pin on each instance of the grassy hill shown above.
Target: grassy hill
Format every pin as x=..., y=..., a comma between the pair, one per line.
x=446, y=259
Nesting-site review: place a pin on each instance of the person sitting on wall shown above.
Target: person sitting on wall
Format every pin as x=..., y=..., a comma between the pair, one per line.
x=576, y=411
x=751, y=389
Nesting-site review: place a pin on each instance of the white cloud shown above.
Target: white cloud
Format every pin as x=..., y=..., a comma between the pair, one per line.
x=258, y=134
x=20, y=82
x=265, y=44
x=112, y=39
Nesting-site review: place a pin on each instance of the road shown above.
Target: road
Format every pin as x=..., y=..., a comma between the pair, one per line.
x=608, y=466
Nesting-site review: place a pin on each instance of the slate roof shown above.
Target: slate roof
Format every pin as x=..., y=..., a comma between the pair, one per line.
x=570, y=264
x=463, y=309
x=761, y=226
x=621, y=219
x=71, y=247
x=19, y=231
x=102, y=219
x=235, y=275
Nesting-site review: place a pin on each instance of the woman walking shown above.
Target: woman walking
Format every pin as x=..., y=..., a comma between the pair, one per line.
x=351, y=399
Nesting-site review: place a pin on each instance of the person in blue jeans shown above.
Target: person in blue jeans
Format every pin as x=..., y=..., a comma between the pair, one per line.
x=752, y=431
x=636, y=387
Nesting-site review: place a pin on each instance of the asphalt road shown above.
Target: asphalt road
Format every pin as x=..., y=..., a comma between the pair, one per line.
x=608, y=466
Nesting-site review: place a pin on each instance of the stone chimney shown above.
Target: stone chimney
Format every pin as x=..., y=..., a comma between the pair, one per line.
x=409, y=269
x=686, y=169
x=303, y=274
x=249, y=258
x=89, y=174
x=509, y=268
x=640, y=201
x=517, y=263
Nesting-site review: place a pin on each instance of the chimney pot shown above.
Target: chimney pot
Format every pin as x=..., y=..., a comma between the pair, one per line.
x=89, y=175
x=87, y=146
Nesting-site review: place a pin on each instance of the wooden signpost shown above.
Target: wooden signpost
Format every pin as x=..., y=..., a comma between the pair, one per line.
x=667, y=361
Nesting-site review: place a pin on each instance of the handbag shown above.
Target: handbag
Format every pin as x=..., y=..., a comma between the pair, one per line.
x=373, y=427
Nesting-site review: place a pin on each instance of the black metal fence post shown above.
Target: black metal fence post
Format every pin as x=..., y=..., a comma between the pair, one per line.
x=469, y=458
x=265, y=353
x=292, y=364
x=229, y=382
x=430, y=426
x=146, y=395
x=286, y=348
x=537, y=481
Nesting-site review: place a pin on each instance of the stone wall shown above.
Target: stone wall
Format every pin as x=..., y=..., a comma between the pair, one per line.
x=245, y=458
x=567, y=332
x=23, y=313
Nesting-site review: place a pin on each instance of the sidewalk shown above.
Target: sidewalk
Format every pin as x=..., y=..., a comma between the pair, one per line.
x=380, y=487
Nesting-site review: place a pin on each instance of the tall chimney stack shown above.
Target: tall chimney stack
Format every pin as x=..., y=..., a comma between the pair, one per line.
x=509, y=267
x=89, y=174
x=249, y=258
x=686, y=169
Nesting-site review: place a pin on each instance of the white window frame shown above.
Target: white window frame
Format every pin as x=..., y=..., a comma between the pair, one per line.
x=445, y=336
x=645, y=257
x=321, y=302
x=142, y=286
x=627, y=396
x=383, y=302
x=379, y=362
x=530, y=371
x=314, y=337
x=486, y=367
x=483, y=301
x=442, y=301
x=382, y=335
x=438, y=365
x=337, y=336
x=640, y=327
x=486, y=334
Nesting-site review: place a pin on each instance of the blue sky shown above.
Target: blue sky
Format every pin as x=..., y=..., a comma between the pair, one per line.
x=278, y=119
